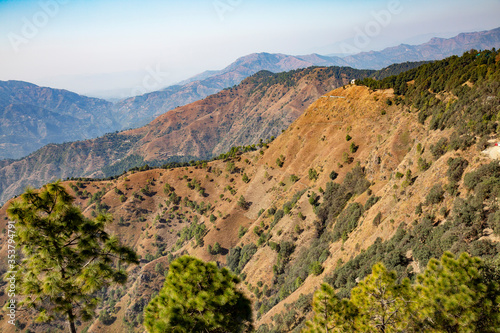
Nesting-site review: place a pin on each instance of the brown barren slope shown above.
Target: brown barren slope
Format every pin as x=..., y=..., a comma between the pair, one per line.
x=387, y=139
x=260, y=107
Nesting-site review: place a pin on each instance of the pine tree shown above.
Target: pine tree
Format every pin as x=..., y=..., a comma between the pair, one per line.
x=242, y=203
x=452, y=295
x=455, y=296
x=198, y=297
x=383, y=303
x=331, y=313
x=67, y=257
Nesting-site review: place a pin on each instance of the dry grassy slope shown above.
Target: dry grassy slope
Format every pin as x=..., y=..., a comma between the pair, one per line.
x=238, y=116
x=317, y=139
x=82, y=158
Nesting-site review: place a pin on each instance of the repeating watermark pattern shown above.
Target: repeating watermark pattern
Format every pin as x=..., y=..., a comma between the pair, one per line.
x=11, y=274
x=222, y=7
x=153, y=80
x=31, y=27
x=372, y=28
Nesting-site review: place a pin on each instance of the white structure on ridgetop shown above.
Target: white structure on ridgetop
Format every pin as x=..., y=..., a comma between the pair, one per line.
x=353, y=81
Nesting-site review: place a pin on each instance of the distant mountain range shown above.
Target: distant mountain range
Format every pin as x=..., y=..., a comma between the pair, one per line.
x=435, y=49
x=32, y=116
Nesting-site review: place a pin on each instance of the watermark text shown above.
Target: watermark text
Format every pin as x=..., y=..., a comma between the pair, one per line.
x=10, y=276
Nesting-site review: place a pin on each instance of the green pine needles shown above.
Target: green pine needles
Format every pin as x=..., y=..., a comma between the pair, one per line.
x=198, y=297
x=67, y=257
x=452, y=295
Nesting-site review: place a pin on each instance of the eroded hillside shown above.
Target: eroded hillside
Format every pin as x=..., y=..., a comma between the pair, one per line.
x=260, y=107
x=362, y=176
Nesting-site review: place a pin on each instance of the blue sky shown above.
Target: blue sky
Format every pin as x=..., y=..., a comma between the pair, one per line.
x=95, y=45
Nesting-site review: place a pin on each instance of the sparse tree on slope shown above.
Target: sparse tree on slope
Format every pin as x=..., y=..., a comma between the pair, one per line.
x=198, y=297
x=67, y=257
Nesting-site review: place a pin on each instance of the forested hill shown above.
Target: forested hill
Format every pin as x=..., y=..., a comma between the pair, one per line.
x=458, y=92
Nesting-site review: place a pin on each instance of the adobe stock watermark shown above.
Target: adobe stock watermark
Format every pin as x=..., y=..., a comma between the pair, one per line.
x=222, y=7
x=10, y=276
x=373, y=28
x=154, y=79
x=40, y=19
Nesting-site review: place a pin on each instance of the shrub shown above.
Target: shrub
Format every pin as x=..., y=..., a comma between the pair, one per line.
x=378, y=219
x=217, y=248
x=456, y=168
x=313, y=199
x=316, y=268
x=419, y=148
x=230, y=167
x=418, y=209
x=353, y=148
x=280, y=161
x=336, y=197
x=494, y=222
x=277, y=217
x=242, y=231
x=462, y=142
x=482, y=144
x=423, y=165
x=313, y=174
x=346, y=159
x=356, y=181
x=435, y=195
x=286, y=250
x=492, y=170
x=333, y=175
x=245, y=178
x=371, y=201
x=242, y=203
x=347, y=221
x=439, y=148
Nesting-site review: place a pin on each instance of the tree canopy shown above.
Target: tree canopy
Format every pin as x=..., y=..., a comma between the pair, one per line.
x=67, y=257
x=198, y=297
x=452, y=295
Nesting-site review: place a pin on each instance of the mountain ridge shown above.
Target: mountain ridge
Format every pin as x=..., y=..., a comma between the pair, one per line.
x=72, y=117
x=105, y=117
x=210, y=82
x=376, y=172
x=203, y=129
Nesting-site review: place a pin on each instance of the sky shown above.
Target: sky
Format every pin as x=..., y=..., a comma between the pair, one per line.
x=124, y=47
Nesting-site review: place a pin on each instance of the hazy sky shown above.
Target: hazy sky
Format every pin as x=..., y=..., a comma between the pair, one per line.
x=95, y=45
